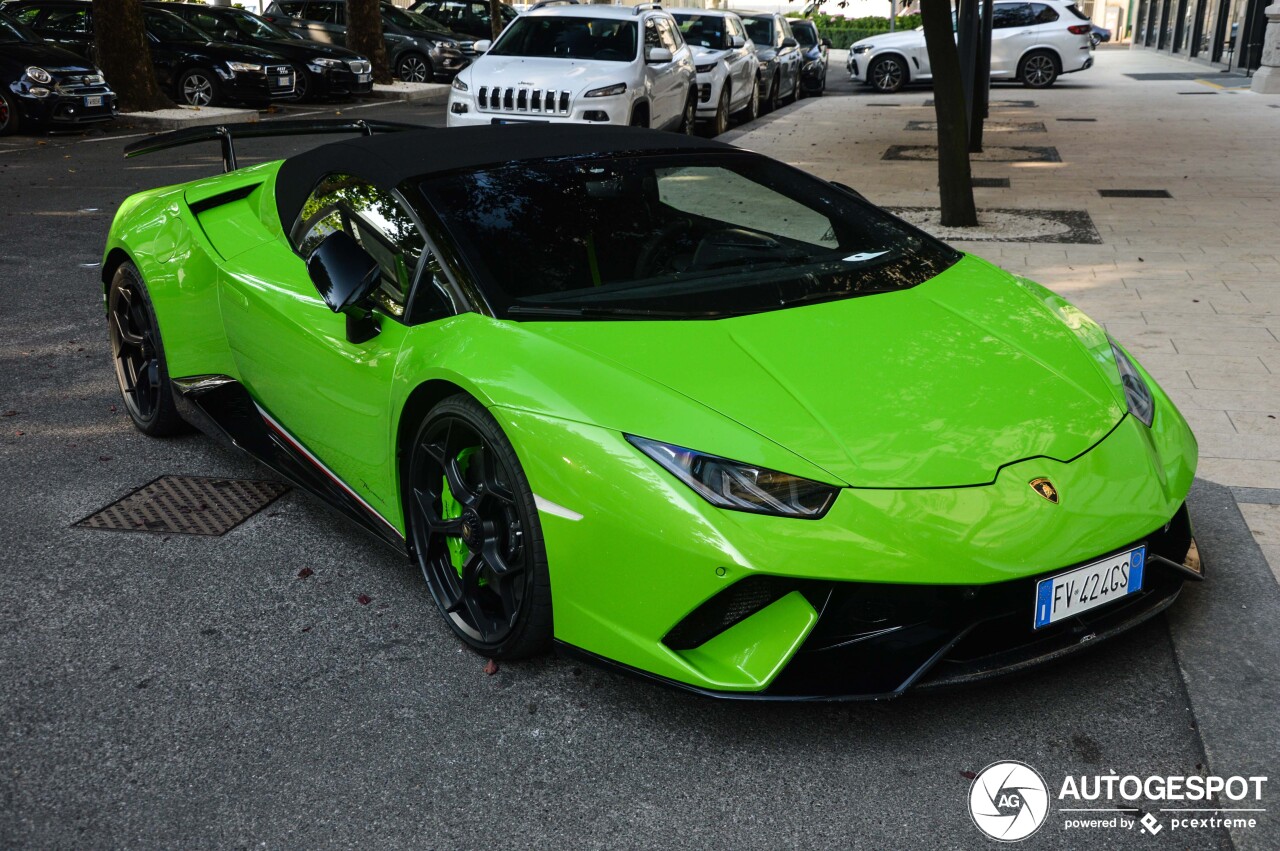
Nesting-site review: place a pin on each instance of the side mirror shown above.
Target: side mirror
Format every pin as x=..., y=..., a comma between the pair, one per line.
x=657, y=55
x=345, y=275
x=790, y=42
x=483, y=45
x=826, y=42
x=737, y=41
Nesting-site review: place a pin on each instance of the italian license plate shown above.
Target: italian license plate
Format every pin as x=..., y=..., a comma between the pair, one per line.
x=363, y=78
x=285, y=81
x=93, y=100
x=1069, y=594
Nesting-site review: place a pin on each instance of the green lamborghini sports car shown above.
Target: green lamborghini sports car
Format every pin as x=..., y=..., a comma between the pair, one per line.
x=661, y=403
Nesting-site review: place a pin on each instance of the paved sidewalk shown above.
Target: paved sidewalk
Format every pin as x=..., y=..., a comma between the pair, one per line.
x=1190, y=284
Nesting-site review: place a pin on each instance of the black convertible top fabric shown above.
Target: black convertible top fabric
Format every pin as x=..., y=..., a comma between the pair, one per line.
x=389, y=159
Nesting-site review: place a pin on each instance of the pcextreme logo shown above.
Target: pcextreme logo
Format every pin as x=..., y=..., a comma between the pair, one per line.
x=1009, y=801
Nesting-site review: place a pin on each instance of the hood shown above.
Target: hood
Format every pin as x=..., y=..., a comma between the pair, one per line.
x=573, y=75
x=50, y=57
x=905, y=38
x=705, y=53
x=936, y=386
x=229, y=52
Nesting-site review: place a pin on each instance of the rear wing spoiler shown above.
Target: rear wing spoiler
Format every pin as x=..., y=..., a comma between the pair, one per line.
x=226, y=134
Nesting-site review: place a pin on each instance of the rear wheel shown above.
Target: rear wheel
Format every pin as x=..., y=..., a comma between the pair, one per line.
x=887, y=74
x=10, y=118
x=199, y=87
x=689, y=118
x=138, y=353
x=1038, y=70
x=414, y=68
x=476, y=532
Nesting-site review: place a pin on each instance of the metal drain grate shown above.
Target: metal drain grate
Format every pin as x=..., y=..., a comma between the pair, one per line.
x=988, y=127
x=1011, y=104
x=1197, y=93
x=990, y=182
x=1134, y=193
x=1077, y=119
x=187, y=505
x=1182, y=76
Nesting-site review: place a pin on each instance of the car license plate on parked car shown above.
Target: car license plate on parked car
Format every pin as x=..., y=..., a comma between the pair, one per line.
x=285, y=81
x=518, y=121
x=363, y=78
x=1068, y=594
x=93, y=100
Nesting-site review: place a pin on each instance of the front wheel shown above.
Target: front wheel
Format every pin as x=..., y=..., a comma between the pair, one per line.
x=774, y=99
x=199, y=87
x=414, y=68
x=887, y=74
x=1038, y=70
x=10, y=118
x=751, y=111
x=301, y=83
x=720, y=123
x=476, y=533
x=138, y=353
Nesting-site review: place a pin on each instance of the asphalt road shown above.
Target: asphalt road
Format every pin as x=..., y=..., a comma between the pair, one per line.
x=183, y=692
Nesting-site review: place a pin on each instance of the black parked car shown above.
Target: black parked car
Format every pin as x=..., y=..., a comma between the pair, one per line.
x=43, y=85
x=420, y=50
x=190, y=65
x=779, y=55
x=469, y=17
x=813, y=73
x=322, y=70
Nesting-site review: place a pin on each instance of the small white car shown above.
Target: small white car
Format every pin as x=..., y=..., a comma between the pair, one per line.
x=726, y=63
x=569, y=63
x=1033, y=43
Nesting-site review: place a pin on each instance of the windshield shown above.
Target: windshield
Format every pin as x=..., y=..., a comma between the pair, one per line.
x=760, y=30
x=11, y=30
x=672, y=236
x=702, y=30
x=805, y=34
x=251, y=25
x=411, y=20
x=569, y=37
x=168, y=27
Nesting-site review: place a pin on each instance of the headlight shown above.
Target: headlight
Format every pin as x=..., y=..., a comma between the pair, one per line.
x=38, y=75
x=862, y=48
x=764, y=64
x=607, y=91
x=326, y=62
x=38, y=92
x=738, y=486
x=459, y=85
x=1137, y=395
x=705, y=69
x=244, y=68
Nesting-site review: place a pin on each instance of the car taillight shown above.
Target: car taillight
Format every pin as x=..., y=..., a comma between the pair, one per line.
x=1079, y=29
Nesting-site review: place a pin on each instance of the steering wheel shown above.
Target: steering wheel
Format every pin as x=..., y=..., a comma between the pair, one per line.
x=655, y=255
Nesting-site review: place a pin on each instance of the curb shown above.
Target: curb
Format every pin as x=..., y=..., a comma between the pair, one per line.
x=425, y=93
x=179, y=117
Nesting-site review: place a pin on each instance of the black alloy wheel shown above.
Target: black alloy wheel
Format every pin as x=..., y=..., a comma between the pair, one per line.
x=199, y=87
x=138, y=353
x=476, y=533
x=302, y=83
x=774, y=100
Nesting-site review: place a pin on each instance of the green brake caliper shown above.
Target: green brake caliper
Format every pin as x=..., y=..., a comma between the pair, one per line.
x=451, y=508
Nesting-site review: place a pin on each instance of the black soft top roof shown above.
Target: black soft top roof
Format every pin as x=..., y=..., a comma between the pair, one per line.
x=391, y=159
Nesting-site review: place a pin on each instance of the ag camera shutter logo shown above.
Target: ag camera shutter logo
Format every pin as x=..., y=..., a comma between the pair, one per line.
x=1008, y=801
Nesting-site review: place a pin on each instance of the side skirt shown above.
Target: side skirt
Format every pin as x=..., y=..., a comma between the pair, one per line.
x=221, y=407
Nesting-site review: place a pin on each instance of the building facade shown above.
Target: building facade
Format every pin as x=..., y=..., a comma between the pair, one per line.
x=1226, y=33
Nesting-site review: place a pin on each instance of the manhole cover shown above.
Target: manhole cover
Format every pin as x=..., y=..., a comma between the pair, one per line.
x=1134, y=193
x=990, y=154
x=187, y=505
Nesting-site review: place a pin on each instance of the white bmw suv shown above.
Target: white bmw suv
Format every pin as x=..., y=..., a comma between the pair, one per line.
x=566, y=62
x=1031, y=42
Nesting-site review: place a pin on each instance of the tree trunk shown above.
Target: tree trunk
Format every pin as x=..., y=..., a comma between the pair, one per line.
x=364, y=36
x=955, y=182
x=120, y=50
x=495, y=18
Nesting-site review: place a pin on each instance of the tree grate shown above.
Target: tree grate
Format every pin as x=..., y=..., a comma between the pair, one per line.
x=1134, y=193
x=987, y=127
x=990, y=182
x=990, y=154
x=186, y=505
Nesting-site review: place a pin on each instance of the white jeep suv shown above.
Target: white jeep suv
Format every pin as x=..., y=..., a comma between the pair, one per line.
x=565, y=62
x=1032, y=42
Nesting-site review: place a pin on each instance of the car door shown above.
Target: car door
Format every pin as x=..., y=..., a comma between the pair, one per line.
x=168, y=59
x=1012, y=32
x=741, y=60
x=682, y=75
x=791, y=57
x=660, y=75
x=331, y=396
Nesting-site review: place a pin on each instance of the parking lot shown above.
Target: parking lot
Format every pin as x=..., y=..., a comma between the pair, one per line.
x=290, y=684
